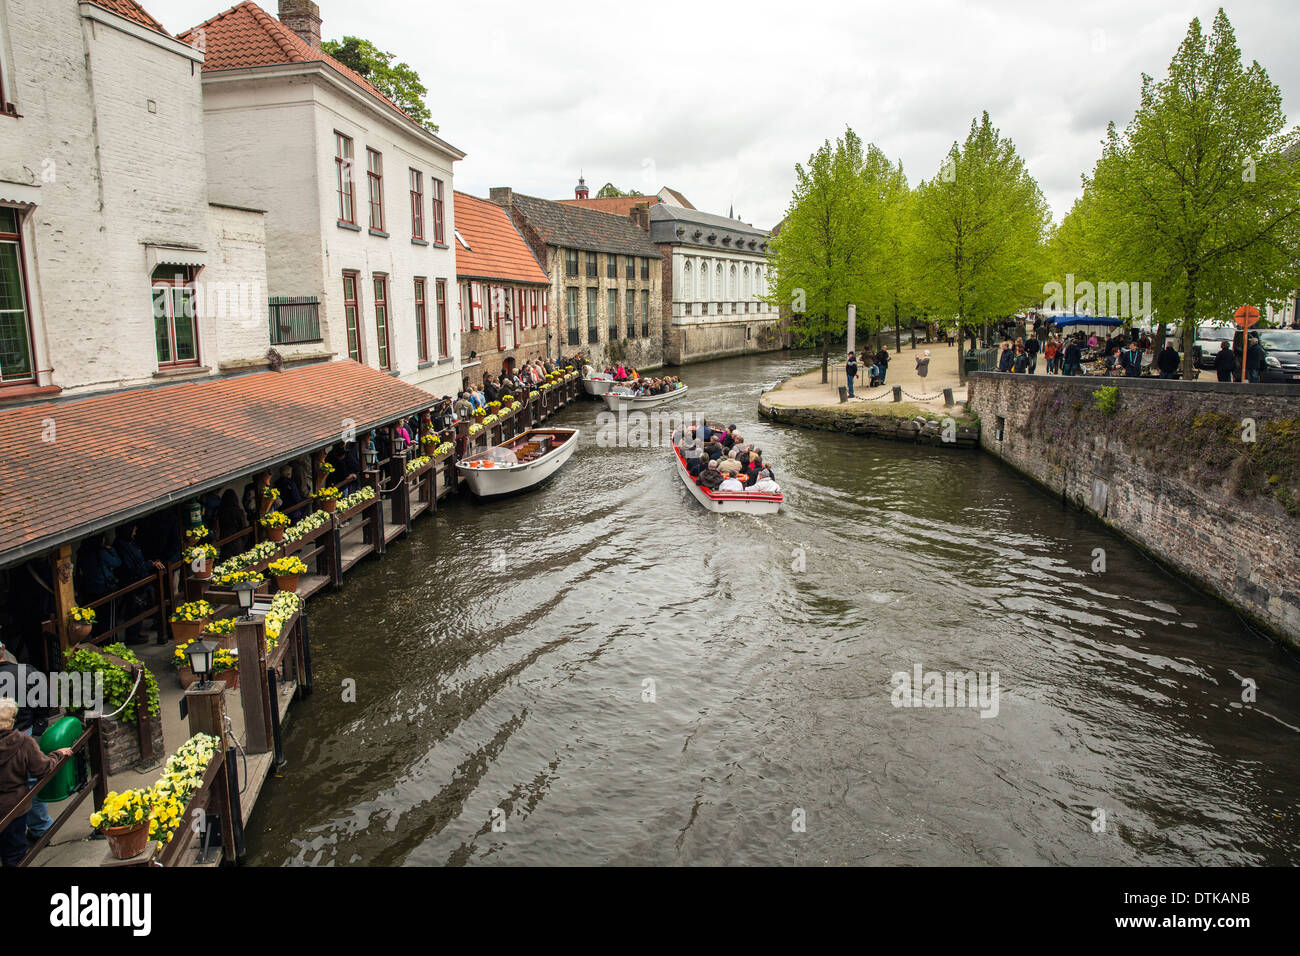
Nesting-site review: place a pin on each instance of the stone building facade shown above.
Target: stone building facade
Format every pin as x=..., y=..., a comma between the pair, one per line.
x=116, y=267
x=716, y=274
x=358, y=195
x=605, y=279
x=504, y=311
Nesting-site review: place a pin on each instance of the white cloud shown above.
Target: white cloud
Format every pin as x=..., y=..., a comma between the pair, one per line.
x=720, y=100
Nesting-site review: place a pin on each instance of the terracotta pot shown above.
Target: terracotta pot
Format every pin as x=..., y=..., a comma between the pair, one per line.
x=204, y=571
x=231, y=677
x=328, y=504
x=275, y=534
x=287, y=582
x=185, y=677
x=229, y=641
x=183, y=631
x=79, y=630
x=127, y=842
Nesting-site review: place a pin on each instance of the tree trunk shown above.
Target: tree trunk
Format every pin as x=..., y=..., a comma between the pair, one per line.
x=898, y=332
x=826, y=357
x=961, y=364
x=1189, y=331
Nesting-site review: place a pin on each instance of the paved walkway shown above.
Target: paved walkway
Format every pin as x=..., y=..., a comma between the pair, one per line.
x=807, y=390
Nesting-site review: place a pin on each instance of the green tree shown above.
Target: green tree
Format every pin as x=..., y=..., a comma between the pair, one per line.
x=980, y=229
x=610, y=191
x=1198, y=195
x=397, y=81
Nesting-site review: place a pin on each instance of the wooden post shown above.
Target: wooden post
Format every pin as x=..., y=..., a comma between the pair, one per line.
x=207, y=710
x=254, y=691
x=64, y=596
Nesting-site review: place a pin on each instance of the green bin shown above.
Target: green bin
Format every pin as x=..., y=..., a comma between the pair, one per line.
x=64, y=732
x=972, y=363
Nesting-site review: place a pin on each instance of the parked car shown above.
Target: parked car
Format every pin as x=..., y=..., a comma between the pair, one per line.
x=1208, y=338
x=1281, y=354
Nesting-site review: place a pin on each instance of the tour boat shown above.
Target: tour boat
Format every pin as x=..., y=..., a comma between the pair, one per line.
x=523, y=462
x=598, y=384
x=728, y=502
x=623, y=398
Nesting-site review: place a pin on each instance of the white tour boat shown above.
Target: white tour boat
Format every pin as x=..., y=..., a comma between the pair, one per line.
x=623, y=398
x=523, y=462
x=598, y=384
x=728, y=502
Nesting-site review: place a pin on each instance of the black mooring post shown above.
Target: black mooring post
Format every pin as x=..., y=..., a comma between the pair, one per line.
x=274, y=685
x=304, y=679
x=236, y=812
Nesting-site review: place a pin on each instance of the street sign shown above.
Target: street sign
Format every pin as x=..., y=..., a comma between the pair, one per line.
x=1245, y=317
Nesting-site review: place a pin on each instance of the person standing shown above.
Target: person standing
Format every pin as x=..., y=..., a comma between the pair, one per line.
x=1031, y=351
x=1005, y=357
x=1073, y=358
x=1254, y=357
x=1020, y=361
x=851, y=371
x=1167, y=361
x=1132, y=360
x=923, y=365
x=1225, y=363
x=21, y=762
x=882, y=364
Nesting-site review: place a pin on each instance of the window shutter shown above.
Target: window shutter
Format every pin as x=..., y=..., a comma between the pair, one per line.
x=546, y=307
x=476, y=305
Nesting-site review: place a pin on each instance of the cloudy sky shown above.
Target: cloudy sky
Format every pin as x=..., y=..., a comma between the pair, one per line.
x=721, y=99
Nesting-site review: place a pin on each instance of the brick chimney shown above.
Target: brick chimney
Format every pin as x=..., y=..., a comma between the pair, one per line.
x=502, y=196
x=303, y=18
x=640, y=215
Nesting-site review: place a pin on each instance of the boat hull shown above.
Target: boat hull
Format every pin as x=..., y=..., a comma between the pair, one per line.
x=615, y=402
x=597, y=386
x=727, y=502
x=502, y=480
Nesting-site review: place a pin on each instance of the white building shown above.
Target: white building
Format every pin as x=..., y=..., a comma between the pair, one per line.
x=115, y=267
x=358, y=195
x=716, y=273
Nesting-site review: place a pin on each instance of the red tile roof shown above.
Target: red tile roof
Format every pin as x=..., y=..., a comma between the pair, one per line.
x=246, y=35
x=496, y=249
x=132, y=11
x=120, y=456
x=618, y=205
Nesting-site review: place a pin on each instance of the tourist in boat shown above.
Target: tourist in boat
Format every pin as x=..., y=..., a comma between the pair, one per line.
x=729, y=466
x=765, y=485
x=711, y=477
x=732, y=483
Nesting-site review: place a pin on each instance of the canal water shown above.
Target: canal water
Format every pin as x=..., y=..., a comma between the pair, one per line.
x=602, y=672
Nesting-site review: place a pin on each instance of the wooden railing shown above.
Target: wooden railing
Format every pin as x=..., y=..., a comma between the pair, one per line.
x=90, y=747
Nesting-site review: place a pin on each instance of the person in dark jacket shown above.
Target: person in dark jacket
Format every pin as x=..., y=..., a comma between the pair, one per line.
x=1032, y=346
x=231, y=519
x=1131, y=359
x=1254, y=358
x=851, y=371
x=1007, y=358
x=1073, y=358
x=290, y=493
x=21, y=761
x=1167, y=361
x=710, y=477
x=135, y=567
x=882, y=364
x=1020, y=360
x=1225, y=363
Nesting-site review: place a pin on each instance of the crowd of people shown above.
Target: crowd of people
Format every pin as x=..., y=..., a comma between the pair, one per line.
x=720, y=459
x=651, y=386
x=876, y=365
x=1123, y=354
x=517, y=381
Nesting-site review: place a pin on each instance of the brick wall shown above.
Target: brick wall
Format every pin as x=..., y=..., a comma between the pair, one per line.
x=1203, y=506
x=122, y=745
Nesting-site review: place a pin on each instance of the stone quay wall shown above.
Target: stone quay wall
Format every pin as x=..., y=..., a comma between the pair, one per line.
x=1204, y=476
x=857, y=420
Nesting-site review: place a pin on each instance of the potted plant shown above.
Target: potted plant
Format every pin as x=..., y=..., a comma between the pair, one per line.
x=287, y=571
x=196, y=534
x=275, y=522
x=181, y=777
x=181, y=661
x=222, y=630
x=200, y=558
x=188, y=620
x=327, y=498
x=80, y=622
x=124, y=818
x=270, y=497
x=225, y=666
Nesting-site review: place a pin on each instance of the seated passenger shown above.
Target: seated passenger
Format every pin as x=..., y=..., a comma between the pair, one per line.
x=731, y=483
x=710, y=477
x=765, y=484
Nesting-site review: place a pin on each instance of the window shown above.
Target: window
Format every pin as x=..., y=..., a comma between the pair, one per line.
x=546, y=307
x=375, y=176
x=703, y=294
x=352, y=314
x=571, y=263
x=593, y=265
x=593, y=327
x=717, y=283
x=438, y=234
x=294, y=318
x=613, y=314
x=421, y=323
x=611, y=267
x=462, y=291
x=631, y=315
x=444, y=344
x=475, y=305
x=731, y=283
x=745, y=288
x=176, y=334
x=381, y=320
x=343, y=169
x=645, y=313
x=417, y=204
x=571, y=310
x=688, y=282
x=631, y=268
x=645, y=268
x=17, y=363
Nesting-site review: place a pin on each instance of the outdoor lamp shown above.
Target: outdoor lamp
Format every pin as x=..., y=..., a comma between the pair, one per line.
x=244, y=591
x=372, y=456
x=200, y=655
x=399, y=443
